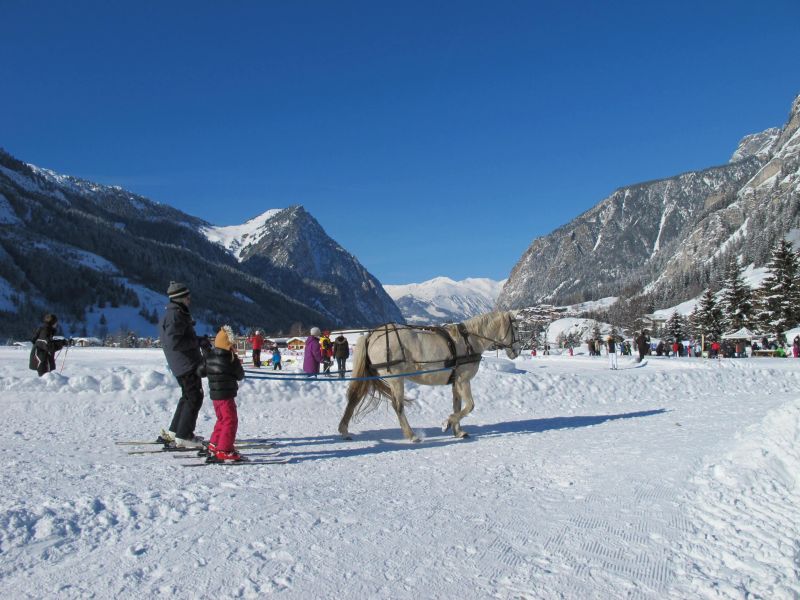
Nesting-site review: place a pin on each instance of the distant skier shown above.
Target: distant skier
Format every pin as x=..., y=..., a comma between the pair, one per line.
x=182, y=350
x=612, y=352
x=42, y=358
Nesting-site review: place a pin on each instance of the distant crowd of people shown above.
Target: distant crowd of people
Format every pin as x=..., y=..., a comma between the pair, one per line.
x=614, y=346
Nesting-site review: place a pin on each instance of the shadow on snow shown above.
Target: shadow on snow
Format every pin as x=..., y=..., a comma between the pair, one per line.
x=391, y=440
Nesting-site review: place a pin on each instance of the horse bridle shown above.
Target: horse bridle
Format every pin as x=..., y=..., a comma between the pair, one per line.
x=515, y=344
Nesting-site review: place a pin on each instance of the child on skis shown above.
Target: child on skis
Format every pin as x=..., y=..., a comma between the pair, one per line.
x=224, y=369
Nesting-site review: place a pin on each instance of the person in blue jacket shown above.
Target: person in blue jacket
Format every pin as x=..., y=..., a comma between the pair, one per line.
x=276, y=359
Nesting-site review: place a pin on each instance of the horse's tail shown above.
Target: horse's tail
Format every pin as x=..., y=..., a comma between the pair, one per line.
x=360, y=388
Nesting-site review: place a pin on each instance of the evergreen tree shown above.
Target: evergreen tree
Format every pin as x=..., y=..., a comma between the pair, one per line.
x=736, y=302
x=708, y=316
x=674, y=327
x=778, y=293
x=692, y=327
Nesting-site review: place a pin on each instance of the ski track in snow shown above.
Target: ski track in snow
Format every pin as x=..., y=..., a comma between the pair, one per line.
x=679, y=479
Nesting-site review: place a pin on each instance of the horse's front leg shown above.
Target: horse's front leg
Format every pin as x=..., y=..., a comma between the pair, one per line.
x=456, y=408
x=461, y=391
x=398, y=391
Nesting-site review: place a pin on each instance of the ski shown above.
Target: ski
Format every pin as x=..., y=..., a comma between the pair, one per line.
x=163, y=449
x=175, y=449
x=274, y=452
x=265, y=461
x=156, y=442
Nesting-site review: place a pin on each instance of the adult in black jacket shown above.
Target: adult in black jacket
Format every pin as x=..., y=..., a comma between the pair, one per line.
x=224, y=370
x=42, y=359
x=182, y=350
x=341, y=351
x=643, y=345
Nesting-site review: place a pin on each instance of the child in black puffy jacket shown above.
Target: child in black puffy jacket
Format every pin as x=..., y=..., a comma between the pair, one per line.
x=224, y=370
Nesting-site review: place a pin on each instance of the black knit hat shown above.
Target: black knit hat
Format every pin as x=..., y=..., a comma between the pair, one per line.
x=177, y=290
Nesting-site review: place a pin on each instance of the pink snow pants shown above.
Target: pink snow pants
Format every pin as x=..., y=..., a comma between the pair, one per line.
x=225, y=428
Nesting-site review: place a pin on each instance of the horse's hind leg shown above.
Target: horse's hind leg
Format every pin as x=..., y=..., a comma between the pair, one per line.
x=461, y=390
x=345, y=422
x=397, y=388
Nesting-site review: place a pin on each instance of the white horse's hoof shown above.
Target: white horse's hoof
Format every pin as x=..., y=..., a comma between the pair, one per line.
x=462, y=434
x=445, y=425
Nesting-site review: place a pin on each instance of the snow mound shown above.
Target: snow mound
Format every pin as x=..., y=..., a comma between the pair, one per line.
x=501, y=365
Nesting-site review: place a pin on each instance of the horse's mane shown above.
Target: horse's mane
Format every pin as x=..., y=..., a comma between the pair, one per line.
x=481, y=321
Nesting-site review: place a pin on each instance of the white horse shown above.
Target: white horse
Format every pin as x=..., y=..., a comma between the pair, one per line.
x=454, y=350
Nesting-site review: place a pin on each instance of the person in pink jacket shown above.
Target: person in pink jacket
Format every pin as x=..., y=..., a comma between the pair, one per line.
x=313, y=354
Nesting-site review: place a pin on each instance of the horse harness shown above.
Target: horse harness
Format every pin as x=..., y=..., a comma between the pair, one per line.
x=453, y=362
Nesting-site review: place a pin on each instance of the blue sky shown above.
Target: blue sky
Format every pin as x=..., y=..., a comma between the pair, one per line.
x=428, y=138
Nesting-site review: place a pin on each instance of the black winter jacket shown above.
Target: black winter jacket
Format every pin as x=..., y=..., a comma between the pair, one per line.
x=179, y=341
x=341, y=349
x=43, y=345
x=223, y=370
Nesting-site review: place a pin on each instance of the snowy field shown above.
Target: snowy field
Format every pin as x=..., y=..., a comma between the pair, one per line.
x=677, y=479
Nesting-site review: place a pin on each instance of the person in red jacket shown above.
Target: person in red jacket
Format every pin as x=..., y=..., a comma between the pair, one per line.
x=256, y=341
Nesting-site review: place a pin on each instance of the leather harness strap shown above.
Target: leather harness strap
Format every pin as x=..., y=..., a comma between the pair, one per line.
x=454, y=361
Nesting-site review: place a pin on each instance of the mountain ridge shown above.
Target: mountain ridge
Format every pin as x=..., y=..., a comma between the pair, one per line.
x=443, y=300
x=667, y=236
x=88, y=251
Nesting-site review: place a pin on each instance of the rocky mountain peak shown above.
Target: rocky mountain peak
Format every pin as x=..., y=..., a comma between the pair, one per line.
x=670, y=237
x=290, y=250
x=757, y=144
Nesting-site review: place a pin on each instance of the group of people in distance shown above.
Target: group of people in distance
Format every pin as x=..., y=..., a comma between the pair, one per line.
x=257, y=343
x=319, y=350
x=224, y=370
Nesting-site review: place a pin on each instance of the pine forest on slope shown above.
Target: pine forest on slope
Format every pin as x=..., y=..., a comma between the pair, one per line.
x=79, y=249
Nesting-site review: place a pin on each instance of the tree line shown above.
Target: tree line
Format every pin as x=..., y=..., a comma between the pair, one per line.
x=726, y=304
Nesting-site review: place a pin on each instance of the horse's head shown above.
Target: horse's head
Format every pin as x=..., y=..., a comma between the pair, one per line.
x=514, y=346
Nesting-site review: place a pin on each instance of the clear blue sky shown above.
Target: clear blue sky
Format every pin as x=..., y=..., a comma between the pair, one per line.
x=428, y=138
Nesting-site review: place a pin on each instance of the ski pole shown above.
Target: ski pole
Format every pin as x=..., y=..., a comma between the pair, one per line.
x=65, y=360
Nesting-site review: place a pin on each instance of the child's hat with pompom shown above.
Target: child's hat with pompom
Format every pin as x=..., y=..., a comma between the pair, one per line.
x=225, y=339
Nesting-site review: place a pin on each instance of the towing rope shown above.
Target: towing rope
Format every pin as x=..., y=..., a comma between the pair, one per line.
x=278, y=374
x=313, y=377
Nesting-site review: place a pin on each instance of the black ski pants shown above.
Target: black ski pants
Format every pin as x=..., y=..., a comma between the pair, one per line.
x=256, y=357
x=185, y=417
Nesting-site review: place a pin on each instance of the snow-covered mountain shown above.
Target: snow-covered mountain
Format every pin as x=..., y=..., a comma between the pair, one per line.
x=670, y=237
x=238, y=239
x=101, y=258
x=289, y=249
x=443, y=300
